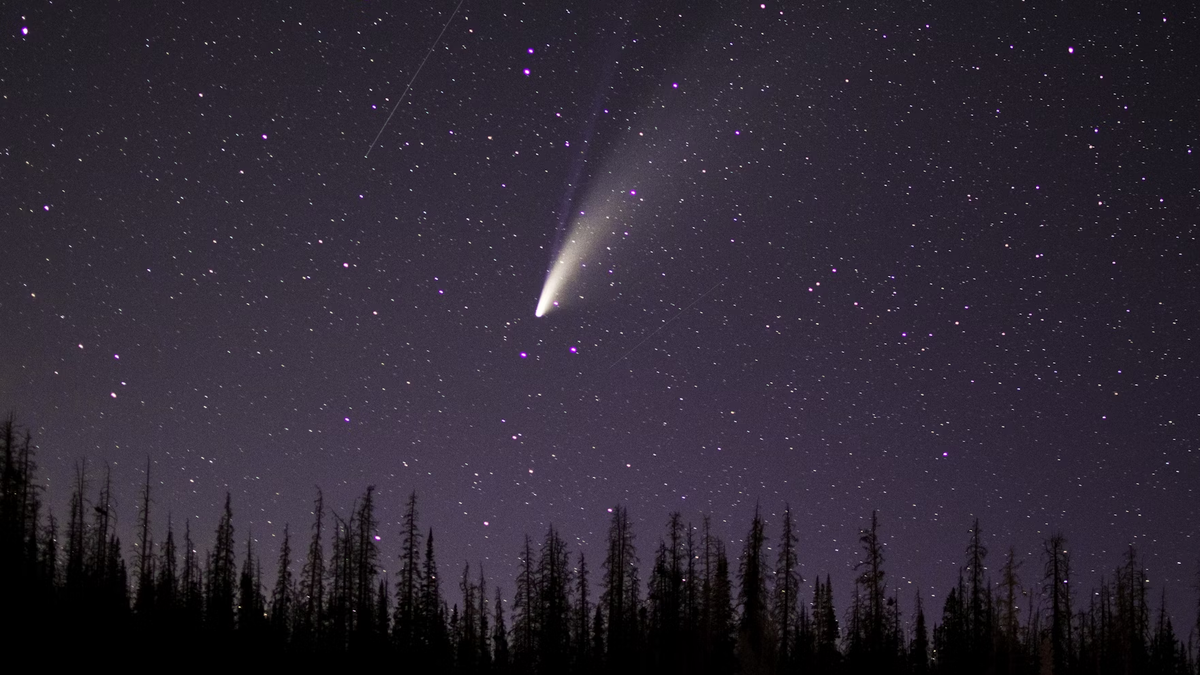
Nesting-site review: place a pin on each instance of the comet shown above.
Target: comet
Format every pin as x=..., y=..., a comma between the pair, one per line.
x=645, y=161
x=586, y=237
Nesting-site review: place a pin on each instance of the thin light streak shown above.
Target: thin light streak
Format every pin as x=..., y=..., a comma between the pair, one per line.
x=414, y=78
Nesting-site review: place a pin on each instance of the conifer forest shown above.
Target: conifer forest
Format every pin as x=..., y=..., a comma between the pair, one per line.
x=672, y=601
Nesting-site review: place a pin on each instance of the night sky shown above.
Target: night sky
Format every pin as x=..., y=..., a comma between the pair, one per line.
x=941, y=262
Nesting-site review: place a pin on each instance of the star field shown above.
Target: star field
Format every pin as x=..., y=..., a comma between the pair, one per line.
x=939, y=262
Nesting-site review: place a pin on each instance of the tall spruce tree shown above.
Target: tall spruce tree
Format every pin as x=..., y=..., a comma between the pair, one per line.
x=723, y=621
x=364, y=572
x=785, y=607
x=872, y=644
x=251, y=605
x=221, y=575
x=310, y=613
x=1058, y=602
x=405, y=627
x=501, y=658
x=466, y=646
x=76, y=573
x=191, y=583
x=525, y=611
x=143, y=603
x=978, y=603
x=581, y=618
x=1009, y=653
x=621, y=594
x=435, y=638
x=756, y=648
x=918, y=649
x=283, y=596
x=554, y=607
x=826, y=630
x=483, y=649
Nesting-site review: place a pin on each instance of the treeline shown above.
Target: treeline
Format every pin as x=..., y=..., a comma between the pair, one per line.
x=68, y=593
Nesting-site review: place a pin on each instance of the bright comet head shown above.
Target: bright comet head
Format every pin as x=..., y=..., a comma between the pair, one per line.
x=580, y=242
x=549, y=289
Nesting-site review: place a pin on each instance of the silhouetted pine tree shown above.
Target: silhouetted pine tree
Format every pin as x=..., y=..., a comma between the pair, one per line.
x=918, y=649
x=25, y=593
x=144, y=604
x=951, y=636
x=310, y=610
x=483, y=649
x=1166, y=654
x=466, y=646
x=665, y=598
x=621, y=595
x=872, y=645
x=1131, y=618
x=692, y=590
x=802, y=651
x=525, y=612
x=785, y=605
x=251, y=607
x=435, y=638
x=501, y=658
x=364, y=574
x=755, y=646
x=383, y=613
x=716, y=625
x=454, y=631
x=722, y=622
x=825, y=627
x=405, y=629
x=283, y=596
x=581, y=619
x=220, y=587
x=10, y=497
x=978, y=605
x=554, y=607
x=166, y=582
x=1058, y=603
x=336, y=626
x=191, y=584
x=105, y=598
x=76, y=581
x=1010, y=653
x=19, y=507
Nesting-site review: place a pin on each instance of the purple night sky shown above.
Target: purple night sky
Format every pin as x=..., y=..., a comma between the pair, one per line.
x=939, y=262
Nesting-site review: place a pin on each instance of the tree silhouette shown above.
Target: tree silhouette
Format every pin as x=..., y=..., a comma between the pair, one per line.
x=500, y=654
x=1058, y=592
x=621, y=594
x=785, y=599
x=755, y=645
x=408, y=584
x=311, y=610
x=525, y=611
x=143, y=603
x=554, y=608
x=283, y=596
x=220, y=576
x=581, y=619
x=336, y=612
x=251, y=607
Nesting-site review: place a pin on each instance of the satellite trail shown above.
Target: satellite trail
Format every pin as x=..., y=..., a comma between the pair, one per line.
x=414, y=77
